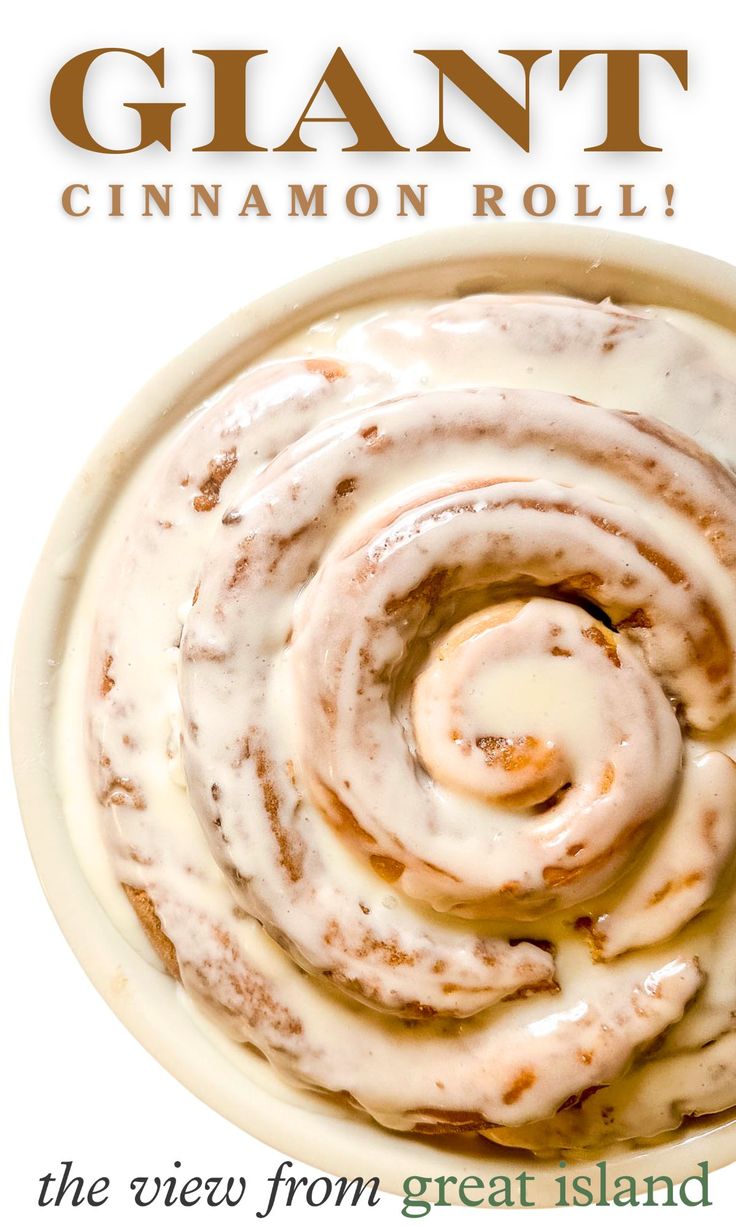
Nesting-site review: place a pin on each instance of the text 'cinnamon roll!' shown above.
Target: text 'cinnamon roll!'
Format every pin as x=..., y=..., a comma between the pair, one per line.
x=410, y=715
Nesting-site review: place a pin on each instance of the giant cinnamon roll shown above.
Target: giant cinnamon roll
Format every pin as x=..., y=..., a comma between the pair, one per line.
x=410, y=716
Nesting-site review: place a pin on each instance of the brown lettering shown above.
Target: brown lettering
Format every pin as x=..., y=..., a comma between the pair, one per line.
x=549, y=200
x=160, y=196
x=584, y=209
x=368, y=194
x=627, y=202
x=229, y=135
x=622, y=94
x=67, y=199
x=487, y=197
x=358, y=110
x=116, y=200
x=302, y=204
x=254, y=200
x=413, y=196
x=491, y=98
x=67, y=103
x=209, y=197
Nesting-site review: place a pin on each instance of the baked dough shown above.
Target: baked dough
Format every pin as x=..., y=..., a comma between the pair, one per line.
x=409, y=711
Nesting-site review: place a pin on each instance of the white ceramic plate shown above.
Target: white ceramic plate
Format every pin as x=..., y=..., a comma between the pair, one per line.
x=236, y=1082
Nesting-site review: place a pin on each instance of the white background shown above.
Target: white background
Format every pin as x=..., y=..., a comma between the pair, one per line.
x=95, y=306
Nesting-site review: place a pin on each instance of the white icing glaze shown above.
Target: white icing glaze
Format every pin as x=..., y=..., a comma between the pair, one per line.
x=413, y=747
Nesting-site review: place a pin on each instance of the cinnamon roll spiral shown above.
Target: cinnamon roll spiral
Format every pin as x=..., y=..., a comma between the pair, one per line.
x=410, y=709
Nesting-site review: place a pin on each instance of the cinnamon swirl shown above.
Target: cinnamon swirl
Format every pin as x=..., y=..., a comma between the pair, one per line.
x=410, y=713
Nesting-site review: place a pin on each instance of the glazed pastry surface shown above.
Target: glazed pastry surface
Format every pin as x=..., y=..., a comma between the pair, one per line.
x=409, y=685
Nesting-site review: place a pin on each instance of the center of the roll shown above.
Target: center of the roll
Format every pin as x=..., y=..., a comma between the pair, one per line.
x=504, y=703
